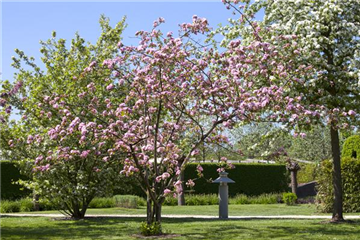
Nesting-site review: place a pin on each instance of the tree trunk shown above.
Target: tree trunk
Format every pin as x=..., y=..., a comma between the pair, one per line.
x=153, y=213
x=181, y=197
x=337, y=183
x=149, y=211
x=294, y=183
x=158, y=212
x=77, y=214
x=36, y=202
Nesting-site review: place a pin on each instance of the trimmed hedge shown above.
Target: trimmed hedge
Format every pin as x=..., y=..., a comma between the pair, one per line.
x=351, y=147
x=250, y=179
x=350, y=172
x=10, y=174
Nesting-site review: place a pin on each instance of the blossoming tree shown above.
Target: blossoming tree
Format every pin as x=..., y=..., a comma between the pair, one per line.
x=171, y=82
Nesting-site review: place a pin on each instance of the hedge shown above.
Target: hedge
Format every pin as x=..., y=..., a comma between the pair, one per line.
x=10, y=174
x=250, y=179
x=350, y=173
x=351, y=147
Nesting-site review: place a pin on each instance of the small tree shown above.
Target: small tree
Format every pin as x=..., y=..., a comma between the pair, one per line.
x=40, y=138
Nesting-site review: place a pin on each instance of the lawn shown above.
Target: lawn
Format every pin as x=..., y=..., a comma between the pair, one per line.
x=127, y=228
x=212, y=210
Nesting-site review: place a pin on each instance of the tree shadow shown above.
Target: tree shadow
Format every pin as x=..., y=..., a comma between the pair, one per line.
x=186, y=228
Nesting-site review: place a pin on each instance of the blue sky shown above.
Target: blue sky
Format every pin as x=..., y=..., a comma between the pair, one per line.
x=24, y=23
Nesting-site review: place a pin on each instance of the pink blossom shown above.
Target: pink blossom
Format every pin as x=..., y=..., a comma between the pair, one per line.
x=190, y=183
x=223, y=159
x=352, y=113
x=167, y=192
x=165, y=175
x=30, y=139
x=110, y=87
x=158, y=179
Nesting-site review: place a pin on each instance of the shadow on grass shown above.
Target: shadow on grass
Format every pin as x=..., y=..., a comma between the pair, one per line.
x=186, y=228
x=275, y=229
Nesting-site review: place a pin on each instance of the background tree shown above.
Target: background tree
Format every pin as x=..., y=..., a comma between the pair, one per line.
x=327, y=31
x=315, y=147
x=261, y=140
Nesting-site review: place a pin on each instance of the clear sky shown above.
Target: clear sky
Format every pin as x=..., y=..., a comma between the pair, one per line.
x=24, y=23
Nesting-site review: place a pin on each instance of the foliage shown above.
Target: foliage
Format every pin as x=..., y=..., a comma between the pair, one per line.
x=351, y=147
x=273, y=141
x=327, y=33
x=261, y=140
x=102, y=202
x=40, y=96
x=307, y=172
x=351, y=184
x=128, y=201
x=289, y=198
x=314, y=147
x=152, y=229
x=250, y=179
x=26, y=205
x=10, y=174
x=202, y=199
x=10, y=206
x=261, y=199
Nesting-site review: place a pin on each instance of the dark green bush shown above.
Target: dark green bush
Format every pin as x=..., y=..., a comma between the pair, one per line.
x=351, y=147
x=250, y=179
x=289, y=198
x=350, y=168
x=9, y=175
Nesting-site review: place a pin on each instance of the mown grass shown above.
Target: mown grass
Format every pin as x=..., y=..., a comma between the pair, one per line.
x=213, y=210
x=187, y=228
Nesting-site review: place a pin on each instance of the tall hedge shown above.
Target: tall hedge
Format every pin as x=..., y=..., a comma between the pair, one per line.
x=10, y=174
x=350, y=168
x=250, y=179
x=351, y=147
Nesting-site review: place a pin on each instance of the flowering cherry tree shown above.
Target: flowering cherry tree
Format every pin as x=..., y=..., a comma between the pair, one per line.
x=328, y=32
x=171, y=82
